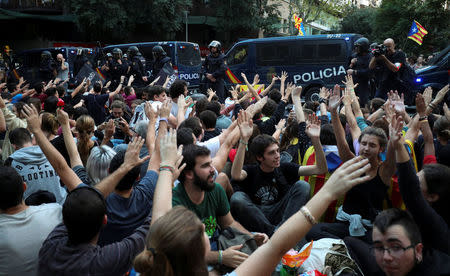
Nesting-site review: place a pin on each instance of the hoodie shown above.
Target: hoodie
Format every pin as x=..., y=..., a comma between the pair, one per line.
x=36, y=171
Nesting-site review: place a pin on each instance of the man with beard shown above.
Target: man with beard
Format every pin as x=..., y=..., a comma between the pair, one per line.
x=198, y=192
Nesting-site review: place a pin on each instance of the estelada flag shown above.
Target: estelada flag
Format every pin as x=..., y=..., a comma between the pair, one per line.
x=417, y=32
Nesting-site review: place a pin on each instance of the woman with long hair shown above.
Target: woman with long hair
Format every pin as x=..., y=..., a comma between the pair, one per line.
x=85, y=128
x=177, y=243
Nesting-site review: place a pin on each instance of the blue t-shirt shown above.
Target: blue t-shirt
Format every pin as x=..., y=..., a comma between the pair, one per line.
x=127, y=214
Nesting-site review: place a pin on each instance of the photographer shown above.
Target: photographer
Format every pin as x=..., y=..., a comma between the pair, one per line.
x=121, y=118
x=62, y=69
x=392, y=64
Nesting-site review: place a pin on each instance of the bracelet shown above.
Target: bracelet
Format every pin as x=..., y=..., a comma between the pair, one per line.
x=432, y=105
x=166, y=168
x=164, y=119
x=244, y=143
x=308, y=215
x=322, y=100
x=423, y=121
x=423, y=118
x=219, y=260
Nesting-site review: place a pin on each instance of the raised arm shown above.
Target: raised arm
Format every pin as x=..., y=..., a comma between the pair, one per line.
x=351, y=120
x=250, y=87
x=119, y=87
x=169, y=168
x=78, y=88
x=296, y=94
x=264, y=260
x=387, y=169
x=164, y=112
x=246, y=129
x=150, y=138
x=313, y=131
x=424, y=126
x=66, y=174
x=344, y=150
x=437, y=100
x=131, y=160
x=283, y=79
x=269, y=87
x=63, y=119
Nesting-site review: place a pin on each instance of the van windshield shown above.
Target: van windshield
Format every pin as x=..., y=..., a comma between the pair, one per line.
x=188, y=55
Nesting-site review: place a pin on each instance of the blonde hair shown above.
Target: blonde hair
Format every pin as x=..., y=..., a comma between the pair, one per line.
x=49, y=123
x=85, y=128
x=174, y=246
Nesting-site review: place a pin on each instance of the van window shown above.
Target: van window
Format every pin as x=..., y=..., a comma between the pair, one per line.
x=238, y=55
x=330, y=52
x=273, y=54
x=188, y=55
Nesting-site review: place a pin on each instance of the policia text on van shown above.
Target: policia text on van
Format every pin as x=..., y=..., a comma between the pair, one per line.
x=311, y=61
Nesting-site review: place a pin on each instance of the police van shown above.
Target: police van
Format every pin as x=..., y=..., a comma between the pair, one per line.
x=310, y=61
x=436, y=74
x=185, y=58
x=28, y=61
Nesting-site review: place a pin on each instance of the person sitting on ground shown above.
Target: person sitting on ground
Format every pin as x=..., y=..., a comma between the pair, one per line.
x=268, y=193
x=169, y=250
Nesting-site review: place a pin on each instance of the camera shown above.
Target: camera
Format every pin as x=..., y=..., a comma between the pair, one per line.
x=379, y=50
x=117, y=122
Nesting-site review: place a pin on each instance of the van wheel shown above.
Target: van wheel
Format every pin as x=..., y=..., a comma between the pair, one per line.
x=312, y=94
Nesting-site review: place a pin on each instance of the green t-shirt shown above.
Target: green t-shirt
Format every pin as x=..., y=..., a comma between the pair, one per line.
x=214, y=205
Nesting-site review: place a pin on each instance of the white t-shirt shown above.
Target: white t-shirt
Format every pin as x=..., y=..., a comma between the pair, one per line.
x=22, y=235
x=212, y=144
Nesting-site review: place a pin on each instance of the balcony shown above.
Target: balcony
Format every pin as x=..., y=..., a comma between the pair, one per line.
x=49, y=7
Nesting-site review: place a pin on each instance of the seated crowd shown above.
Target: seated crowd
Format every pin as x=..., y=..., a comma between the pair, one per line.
x=149, y=180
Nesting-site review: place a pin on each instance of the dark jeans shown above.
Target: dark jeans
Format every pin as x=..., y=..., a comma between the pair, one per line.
x=266, y=218
x=336, y=230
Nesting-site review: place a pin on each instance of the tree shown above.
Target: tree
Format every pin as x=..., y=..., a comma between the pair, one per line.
x=233, y=16
x=116, y=20
x=359, y=21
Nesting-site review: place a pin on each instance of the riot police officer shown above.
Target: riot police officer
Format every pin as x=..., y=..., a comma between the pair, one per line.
x=359, y=69
x=137, y=68
x=47, y=68
x=160, y=58
x=80, y=60
x=214, y=69
x=117, y=67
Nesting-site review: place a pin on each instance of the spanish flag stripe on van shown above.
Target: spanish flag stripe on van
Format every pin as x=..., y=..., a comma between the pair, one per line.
x=233, y=79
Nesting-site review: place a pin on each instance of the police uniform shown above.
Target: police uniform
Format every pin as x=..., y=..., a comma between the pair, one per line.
x=216, y=67
x=137, y=70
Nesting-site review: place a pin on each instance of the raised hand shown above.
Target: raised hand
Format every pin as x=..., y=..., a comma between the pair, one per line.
x=313, y=126
x=32, y=116
x=256, y=79
x=131, y=158
x=296, y=92
x=346, y=177
x=395, y=129
x=441, y=94
x=428, y=95
x=155, y=81
x=397, y=101
x=347, y=98
x=420, y=104
x=324, y=93
x=164, y=110
x=62, y=117
x=245, y=125
x=284, y=76
x=168, y=149
x=244, y=77
x=446, y=111
x=234, y=93
x=110, y=128
x=281, y=125
x=335, y=98
x=150, y=112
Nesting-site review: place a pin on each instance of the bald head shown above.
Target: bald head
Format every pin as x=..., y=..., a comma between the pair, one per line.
x=390, y=45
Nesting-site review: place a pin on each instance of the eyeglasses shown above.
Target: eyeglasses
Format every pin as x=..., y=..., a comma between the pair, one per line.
x=395, y=251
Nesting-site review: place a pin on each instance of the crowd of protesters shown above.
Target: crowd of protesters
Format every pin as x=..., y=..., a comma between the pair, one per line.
x=145, y=178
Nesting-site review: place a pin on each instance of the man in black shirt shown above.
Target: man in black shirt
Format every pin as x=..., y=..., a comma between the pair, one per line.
x=392, y=63
x=269, y=192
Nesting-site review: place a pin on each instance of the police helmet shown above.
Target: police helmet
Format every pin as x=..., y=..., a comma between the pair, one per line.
x=133, y=51
x=363, y=44
x=125, y=55
x=117, y=53
x=215, y=44
x=109, y=55
x=46, y=55
x=158, y=52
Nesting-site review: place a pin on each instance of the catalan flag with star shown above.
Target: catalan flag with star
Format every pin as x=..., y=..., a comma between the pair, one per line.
x=417, y=32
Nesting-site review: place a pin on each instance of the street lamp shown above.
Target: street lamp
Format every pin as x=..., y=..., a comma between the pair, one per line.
x=186, y=17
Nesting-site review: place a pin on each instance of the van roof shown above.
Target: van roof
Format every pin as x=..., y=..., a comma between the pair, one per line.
x=51, y=49
x=306, y=37
x=151, y=42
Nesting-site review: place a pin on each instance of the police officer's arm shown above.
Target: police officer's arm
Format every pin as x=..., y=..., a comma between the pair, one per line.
x=245, y=129
x=220, y=72
x=67, y=175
